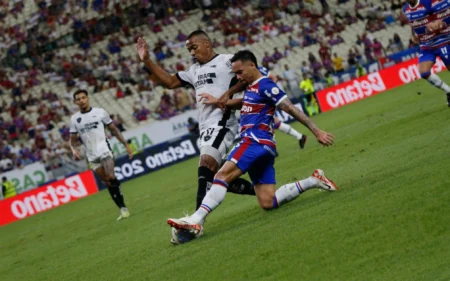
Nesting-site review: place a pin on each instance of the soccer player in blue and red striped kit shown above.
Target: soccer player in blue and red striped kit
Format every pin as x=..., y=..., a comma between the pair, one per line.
x=430, y=24
x=255, y=153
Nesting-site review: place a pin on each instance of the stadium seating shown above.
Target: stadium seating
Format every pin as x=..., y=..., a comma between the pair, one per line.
x=106, y=97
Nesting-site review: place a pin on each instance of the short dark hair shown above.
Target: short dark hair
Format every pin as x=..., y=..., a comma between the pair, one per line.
x=199, y=32
x=80, y=91
x=244, y=55
x=3, y=178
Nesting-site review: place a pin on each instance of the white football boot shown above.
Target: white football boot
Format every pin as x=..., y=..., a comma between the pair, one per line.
x=185, y=223
x=124, y=214
x=324, y=182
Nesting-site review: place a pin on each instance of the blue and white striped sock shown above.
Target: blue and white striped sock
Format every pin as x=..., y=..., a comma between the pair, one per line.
x=212, y=199
x=290, y=191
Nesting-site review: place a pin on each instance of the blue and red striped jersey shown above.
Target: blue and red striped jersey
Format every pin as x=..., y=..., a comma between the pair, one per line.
x=425, y=12
x=258, y=108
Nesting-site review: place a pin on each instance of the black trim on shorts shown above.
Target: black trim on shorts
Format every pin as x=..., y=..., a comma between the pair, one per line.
x=220, y=136
x=109, y=146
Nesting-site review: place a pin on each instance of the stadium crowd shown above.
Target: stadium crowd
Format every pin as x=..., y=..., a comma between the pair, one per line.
x=34, y=54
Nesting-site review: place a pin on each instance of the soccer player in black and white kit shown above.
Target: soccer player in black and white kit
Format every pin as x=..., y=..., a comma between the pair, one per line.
x=210, y=74
x=89, y=123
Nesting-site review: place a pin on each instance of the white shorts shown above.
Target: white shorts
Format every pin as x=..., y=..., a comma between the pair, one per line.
x=97, y=162
x=216, y=141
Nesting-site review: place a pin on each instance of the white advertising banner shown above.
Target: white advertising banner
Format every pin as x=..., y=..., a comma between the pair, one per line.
x=28, y=177
x=155, y=133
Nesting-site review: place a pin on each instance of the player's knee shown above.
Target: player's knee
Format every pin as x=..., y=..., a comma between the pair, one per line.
x=110, y=178
x=425, y=75
x=208, y=162
x=266, y=204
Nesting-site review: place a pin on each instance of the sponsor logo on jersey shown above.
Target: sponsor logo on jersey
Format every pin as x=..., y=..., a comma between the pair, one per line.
x=89, y=127
x=246, y=108
x=417, y=23
x=203, y=79
x=443, y=14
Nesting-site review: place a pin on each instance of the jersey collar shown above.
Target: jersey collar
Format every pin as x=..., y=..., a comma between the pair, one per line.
x=256, y=81
x=90, y=109
x=209, y=60
x=415, y=6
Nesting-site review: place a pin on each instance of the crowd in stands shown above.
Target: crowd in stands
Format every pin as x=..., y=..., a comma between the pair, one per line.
x=34, y=55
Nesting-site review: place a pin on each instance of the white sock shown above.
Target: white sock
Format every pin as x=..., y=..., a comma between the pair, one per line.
x=285, y=128
x=438, y=83
x=212, y=199
x=290, y=191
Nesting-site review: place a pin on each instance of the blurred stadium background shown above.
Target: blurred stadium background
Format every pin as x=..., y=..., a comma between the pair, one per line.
x=393, y=145
x=51, y=48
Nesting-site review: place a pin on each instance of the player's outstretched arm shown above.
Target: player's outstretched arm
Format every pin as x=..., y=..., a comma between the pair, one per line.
x=116, y=132
x=73, y=144
x=238, y=87
x=168, y=80
x=323, y=137
x=209, y=99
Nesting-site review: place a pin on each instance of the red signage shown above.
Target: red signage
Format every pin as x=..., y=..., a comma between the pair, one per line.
x=47, y=197
x=372, y=84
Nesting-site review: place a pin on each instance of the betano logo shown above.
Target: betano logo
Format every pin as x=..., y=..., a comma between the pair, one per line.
x=47, y=197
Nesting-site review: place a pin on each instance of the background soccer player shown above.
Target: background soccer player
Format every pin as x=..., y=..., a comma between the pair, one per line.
x=429, y=22
x=255, y=154
x=89, y=123
x=211, y=73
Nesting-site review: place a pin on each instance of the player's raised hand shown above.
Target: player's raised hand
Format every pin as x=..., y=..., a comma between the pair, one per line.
x=129, y=151
x=206, y=98
x=324, y=138
x=76, y=154
x=142, y=49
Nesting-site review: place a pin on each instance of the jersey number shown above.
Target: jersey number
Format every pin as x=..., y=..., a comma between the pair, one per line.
x=207, y=134
x=444, y=50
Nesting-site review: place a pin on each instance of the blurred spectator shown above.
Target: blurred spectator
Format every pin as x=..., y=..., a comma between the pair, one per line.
x=337, y=64
x=118, y=122
x=276, y=55
x=140, y=114
x=360, y=70
x=377, y=49
x=398, y=41
x=324, y=52
x=181, y=36
x=292, y=42
x=292, y=80
x=193, y=127
x=351, y=59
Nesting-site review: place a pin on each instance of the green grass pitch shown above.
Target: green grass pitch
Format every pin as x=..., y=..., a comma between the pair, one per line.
x=389, y=221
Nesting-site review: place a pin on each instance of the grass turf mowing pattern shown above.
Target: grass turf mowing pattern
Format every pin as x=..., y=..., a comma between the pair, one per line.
x=389, y=221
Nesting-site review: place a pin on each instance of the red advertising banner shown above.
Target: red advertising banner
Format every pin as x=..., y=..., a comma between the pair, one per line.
x=47, y=197
x=372, y=84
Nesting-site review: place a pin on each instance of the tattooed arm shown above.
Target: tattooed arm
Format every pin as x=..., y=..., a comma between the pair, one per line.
x=115, y=132
x=323, y=137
